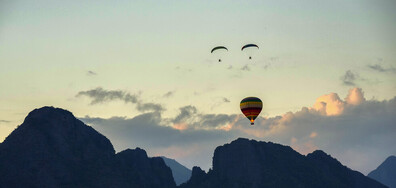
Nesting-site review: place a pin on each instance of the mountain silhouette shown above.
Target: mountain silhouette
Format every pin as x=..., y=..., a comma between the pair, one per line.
x=52, y=148
x=386, y=172
x=180, y=173
x=253, y=164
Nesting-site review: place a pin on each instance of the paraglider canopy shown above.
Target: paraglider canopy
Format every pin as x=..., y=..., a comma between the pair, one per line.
x=249, y=49
x=219, y=51
x=251, y=108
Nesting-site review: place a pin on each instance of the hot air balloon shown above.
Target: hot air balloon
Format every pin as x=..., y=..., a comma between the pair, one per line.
x=251, y=108
x=250, y=49
x=219, y=51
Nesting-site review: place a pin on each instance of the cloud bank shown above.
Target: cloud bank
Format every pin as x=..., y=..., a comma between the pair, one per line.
x=358, y=132
x=379, y=68
x=100, y=95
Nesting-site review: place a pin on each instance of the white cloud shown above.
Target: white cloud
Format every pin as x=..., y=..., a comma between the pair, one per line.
x=355, y=96
x=346, y=129
x=329, y=105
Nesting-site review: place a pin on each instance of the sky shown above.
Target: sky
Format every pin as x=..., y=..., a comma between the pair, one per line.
x=142, y=74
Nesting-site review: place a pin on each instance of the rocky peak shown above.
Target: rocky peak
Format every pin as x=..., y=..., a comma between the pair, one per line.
x=250, y=163
x=197, y=174
x=322, y=157
x=52, y=148
x=386, y=172
x=53, y=130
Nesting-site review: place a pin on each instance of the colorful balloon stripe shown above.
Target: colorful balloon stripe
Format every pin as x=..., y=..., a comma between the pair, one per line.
x=251, y=107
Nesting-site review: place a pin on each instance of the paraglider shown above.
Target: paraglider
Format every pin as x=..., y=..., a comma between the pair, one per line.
x=250, y=49
x=251, y=108
x=219, y=51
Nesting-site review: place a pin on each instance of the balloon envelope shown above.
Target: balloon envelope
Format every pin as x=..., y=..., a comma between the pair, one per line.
x=251, y=108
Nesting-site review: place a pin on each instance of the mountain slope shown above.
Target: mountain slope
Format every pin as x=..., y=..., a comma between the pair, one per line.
x=386, y=172
x=52, y=148
x=180, y=173
x=249, y=163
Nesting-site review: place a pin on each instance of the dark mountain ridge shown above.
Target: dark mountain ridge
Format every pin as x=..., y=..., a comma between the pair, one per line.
x=249, y=163
x=52, y=148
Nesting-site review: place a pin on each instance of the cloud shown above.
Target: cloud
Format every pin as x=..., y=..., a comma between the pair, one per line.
x=355, y=96
x=218, y=102
x=100, y=95
x=329, y=105
x=245, y=68
x=164, y=131
x=347, y=129
x=303, y=146
x=349, y=78
x=186, y=112
x=379, y=68
x=190, y=118
x=143, y=107
x=91, y=73
x=168, y=94
x=160, y=136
